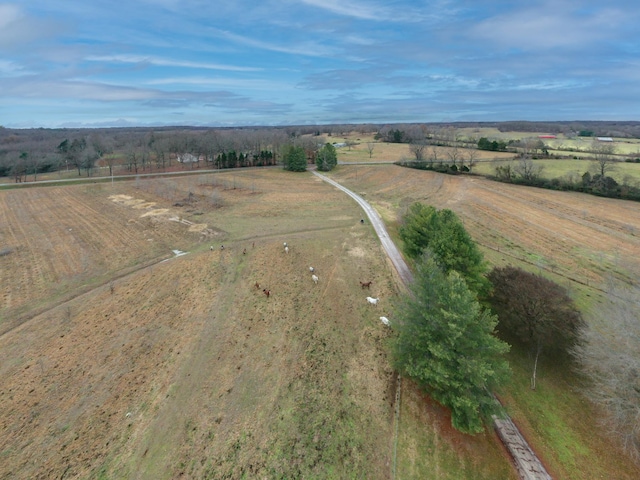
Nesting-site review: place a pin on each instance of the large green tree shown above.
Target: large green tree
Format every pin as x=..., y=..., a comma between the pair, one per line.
x=294, y=159
x=446, y=343
x=535, y=311
x=327, y=158
x=442, y=232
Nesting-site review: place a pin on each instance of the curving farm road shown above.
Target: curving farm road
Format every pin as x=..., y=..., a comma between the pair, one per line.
x=389, y=247
x=526, y=462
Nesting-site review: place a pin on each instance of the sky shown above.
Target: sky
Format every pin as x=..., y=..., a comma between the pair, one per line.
x=116, y=63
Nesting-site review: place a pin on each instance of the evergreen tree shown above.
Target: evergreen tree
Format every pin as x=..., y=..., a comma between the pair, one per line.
x=327, y=158
x=446, y=344
x=294, y=159
x=442, y=232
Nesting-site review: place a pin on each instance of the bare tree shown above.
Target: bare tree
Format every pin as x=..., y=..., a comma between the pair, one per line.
x=434, y=154
x=370, y=147
x=534, y=311
x=603, y=160
x=472, y=157
x=417, y=148
x=454, y=154
x=608, y=357
x=528, y=169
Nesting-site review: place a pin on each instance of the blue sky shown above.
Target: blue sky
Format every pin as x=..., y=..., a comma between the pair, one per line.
x=95, y=63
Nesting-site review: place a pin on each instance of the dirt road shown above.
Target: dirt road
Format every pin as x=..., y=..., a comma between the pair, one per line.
x=377, y=223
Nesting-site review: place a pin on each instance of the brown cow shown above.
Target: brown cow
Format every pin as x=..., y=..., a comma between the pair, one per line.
x=266, y=292
x=365, y=284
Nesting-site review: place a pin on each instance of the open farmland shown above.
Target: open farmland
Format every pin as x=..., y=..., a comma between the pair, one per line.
x=161, y=369
x=183, y=367
x=580, y=241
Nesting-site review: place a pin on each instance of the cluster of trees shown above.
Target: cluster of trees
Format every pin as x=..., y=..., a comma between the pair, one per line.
x=492, y=145
x=446, y=343
x=234, y=160
x=447, y=339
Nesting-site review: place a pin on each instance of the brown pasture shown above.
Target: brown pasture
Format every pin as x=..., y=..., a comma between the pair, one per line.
x=117, y=364
x=111, y=368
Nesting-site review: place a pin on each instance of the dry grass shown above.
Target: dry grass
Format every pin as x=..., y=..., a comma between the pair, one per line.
x=187, y=369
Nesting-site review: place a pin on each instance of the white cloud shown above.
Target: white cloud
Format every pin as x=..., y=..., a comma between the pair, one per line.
x=248, y=84
x=9, y=14
x=311, y=49
x=17, y=29
x=548, y=27
x=165, y=62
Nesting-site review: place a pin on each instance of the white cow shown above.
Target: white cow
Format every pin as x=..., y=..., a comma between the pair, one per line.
x=373, y=301
x=311, y=269
x=286, y=249
x=314, y=278
x=385, y=320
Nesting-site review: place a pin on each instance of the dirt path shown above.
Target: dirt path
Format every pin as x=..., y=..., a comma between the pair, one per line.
x=527, y=463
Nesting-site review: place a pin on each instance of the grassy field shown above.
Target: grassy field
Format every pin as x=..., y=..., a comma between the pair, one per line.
x=119, y=359
x=570, y=169
x=567, y=168
x=579, y=241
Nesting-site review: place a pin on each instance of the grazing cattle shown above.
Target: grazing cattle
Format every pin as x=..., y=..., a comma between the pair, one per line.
x=221, y=247
x=365, y=284
x=244, y=251
x=284, y=244
x=362, y=220
x=257, y=285
x=385, y=320
x=211, y=248
x=311, y=269
x=266, y=292
x=373, y=301
x=286, y=249
x=314, y=278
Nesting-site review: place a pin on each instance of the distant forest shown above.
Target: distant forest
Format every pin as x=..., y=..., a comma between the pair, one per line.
x=147, y=149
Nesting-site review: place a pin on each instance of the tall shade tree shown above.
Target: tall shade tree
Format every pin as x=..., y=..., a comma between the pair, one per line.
x=446, y=343
x=535, y=311
x=327, y=158
x=441, y=232
x=294, y=158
